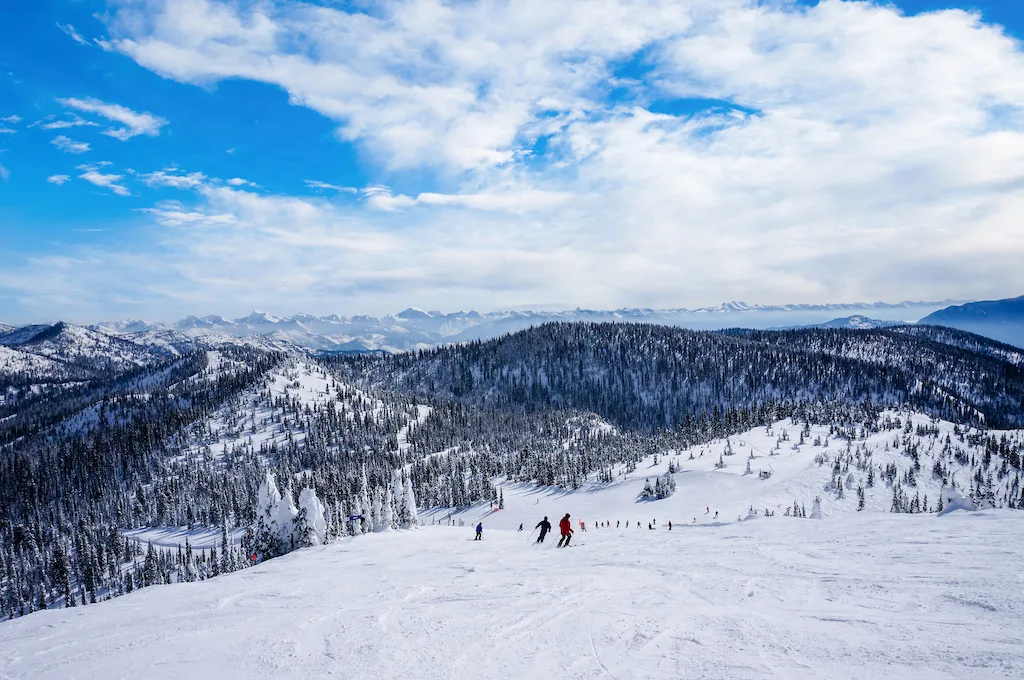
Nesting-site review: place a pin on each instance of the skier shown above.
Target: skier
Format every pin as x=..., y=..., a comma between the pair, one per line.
x=716, y=514
x=583, y=525
x=566, y=528
x=670, y=525
x=545, y=526
x=479, y=532
x=520, y=526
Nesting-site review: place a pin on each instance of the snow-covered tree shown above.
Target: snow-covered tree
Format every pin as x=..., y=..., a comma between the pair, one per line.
x=265, y=530
x=311, y=524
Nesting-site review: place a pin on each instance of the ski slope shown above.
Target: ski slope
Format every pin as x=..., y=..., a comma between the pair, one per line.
x=799, y=473
x=867, y=595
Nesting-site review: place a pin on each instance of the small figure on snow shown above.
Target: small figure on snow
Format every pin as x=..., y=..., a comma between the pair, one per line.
x=479, y=532
x=520, y=526
x=545, y=526
x=670, y=525
x=566, y=528
x=583, y=525
x=716, y=514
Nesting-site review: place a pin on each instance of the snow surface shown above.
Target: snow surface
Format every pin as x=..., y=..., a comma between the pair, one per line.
x=852, y=595
x=796, y=476
x=861, y=596
x=200, y=538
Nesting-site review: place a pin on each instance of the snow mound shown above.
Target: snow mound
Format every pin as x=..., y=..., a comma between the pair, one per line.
x=953, y=500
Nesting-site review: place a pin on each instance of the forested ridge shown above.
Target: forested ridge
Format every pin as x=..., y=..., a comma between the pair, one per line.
x=649, y=378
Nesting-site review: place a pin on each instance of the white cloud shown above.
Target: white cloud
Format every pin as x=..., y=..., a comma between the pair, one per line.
x=74, y=121
x=239, y=182
x=7, y=131
x=59, y=180
x=13, y=120
x=134, y=123
x=166, y=178
x=5, y=174
x=317, y=184
x=75, y=35
x=850, y=153
x=69, y=145
x=91, y=173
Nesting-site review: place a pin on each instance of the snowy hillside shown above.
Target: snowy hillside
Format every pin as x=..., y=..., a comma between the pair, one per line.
x=862, y=596
x=15, y=361
x=156, y=466
x=271, y=414
x=76, y=344
x=901, y=463
x=855, y=321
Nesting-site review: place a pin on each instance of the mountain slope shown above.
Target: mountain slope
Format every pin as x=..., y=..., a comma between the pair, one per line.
x=855, y=321
x=651, y=377
x=746, y=593
x=999, y=319
x=778, y=598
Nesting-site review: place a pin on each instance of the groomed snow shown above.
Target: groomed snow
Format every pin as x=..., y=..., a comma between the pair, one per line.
x=860, y=596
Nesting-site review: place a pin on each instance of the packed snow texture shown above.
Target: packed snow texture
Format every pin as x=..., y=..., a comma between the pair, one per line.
x=860, y=596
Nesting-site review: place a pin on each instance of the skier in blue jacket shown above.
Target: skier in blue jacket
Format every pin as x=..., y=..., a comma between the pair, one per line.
x=479, y=532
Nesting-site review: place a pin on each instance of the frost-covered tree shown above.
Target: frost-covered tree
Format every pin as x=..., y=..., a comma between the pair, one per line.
x=266, y=530
x=310, y=523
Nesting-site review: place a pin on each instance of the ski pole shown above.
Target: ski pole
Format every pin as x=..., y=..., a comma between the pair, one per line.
x=531, y=535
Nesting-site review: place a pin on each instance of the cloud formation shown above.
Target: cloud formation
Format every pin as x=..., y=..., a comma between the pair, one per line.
x=316, y=184
x=133, y=123
x=93, y=174
x=72, y=33
x=59, y=180
x=69, y=145
x=171, y=178
x=604, y=153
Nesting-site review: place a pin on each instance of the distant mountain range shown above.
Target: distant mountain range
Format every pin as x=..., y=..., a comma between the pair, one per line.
x=1001, y=320
x=414, y=328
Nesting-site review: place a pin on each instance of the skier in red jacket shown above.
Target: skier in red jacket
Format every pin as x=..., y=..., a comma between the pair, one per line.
x=566, y=528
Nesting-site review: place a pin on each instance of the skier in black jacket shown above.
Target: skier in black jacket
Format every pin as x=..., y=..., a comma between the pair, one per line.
x=545, y=526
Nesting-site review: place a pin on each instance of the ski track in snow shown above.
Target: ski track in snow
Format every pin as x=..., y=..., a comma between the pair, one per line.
x=861, y=596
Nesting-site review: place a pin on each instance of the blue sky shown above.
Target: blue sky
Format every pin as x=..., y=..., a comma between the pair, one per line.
x=163, y=158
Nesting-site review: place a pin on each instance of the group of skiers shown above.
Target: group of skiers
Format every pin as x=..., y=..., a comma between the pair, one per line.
x=566, y=530
x=564, y=526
